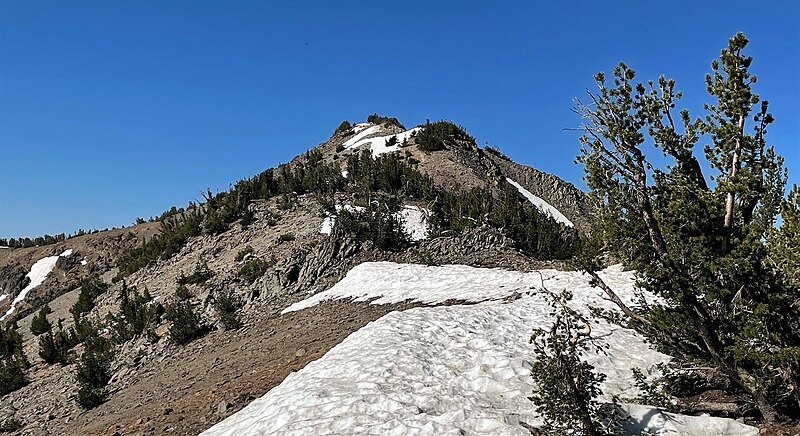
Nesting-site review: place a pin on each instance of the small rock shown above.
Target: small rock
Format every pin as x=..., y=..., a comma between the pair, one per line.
x=222, y=407
x=168, y=410
x=301, y=352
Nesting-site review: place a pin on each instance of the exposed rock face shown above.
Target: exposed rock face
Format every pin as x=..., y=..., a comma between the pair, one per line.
x=565, y=197
x=13, y=278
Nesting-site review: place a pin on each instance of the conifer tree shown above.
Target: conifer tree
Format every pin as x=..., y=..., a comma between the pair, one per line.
x=698, y=245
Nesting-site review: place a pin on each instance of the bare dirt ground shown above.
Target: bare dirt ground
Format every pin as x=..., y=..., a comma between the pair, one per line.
x=200, y=384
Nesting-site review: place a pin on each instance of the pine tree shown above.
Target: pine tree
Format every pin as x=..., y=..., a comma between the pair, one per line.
x=39, y=323
x=700, y=247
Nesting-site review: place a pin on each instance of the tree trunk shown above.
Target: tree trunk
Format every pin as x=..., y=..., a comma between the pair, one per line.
x=737, y=375
x=615, y=298
x=734, y=171
x=643, y=202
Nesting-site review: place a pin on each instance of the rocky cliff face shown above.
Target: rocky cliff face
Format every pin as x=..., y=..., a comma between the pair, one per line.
x=564, y=196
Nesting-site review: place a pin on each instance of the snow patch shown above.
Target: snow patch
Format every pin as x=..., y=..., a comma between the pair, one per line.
x=461, y=369
x=378, y=144
x=389, y=282
x=84, y=262
x=541, y=204
x=415, y=221
x=38, y=273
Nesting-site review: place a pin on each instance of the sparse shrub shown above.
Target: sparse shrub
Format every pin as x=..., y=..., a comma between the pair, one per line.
x=91, y=288
x=255, y=268
x=186, y=324
x=200, y=274
x=378, y=223
x=386, y=121
x=435, y=136
x=10, y=425
x=496, y=151
x=344, y=127
x=12, y=360
x=565, y=386
x=94, y=371
x=39, y=323
x=138, y=312
x=55, y=346
x=248, y=217
x=228, y=308
x=243, y=253
x=674, y=382
x=286, y=237
x=182, y=293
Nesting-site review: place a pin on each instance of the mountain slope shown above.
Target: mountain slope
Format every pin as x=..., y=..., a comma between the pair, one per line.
x=262, y=243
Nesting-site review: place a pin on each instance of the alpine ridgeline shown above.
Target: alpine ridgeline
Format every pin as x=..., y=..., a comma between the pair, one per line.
x=186, y=307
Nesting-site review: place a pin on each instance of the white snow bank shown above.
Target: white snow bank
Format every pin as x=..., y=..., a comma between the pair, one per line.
x=415, y=221
x=452, y=369
x=378, y=144
x=388, y=282
x=647, y=420
x=541, y=204
x=39, y=272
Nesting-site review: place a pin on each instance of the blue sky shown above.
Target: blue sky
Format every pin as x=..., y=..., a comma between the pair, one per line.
x=113, y=110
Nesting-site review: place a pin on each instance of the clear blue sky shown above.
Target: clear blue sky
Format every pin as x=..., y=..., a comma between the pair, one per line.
x=111, y=110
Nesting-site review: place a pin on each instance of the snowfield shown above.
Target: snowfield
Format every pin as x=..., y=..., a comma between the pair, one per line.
x=541, y=204
x=461, y=369
x=415, y=221
x=377, y=144
x=38, y=273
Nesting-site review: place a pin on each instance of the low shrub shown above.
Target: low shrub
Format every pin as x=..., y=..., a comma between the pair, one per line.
x=286, y=237
x=243, y=253
x=39, y=323
x=255, y=268
x=200, y=274
x=186, y=323
x=138, y=313
x=228, y=308
x=94, y=371
x=12, y=360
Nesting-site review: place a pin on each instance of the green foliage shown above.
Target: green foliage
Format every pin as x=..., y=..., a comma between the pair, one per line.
x=386, y=121
x=704, y=249
x=535, y=233
x=436, y=136
x=182, y=293
x=565, y=386
x=137, y=314
x=39, y=323
x=243, y=253
x=343, y=127
x=377, y=222
x=228, y=307
x=175, y=231
x=784, y=242
x=287, y=237
x=387, y=174
x=10, y=425
x=186, y=324
x=55, y=345
x=200, y=274
x=12, y=360
x=661, y=392
x=94, y=371
x=255, y=268
x=496, y=151
x=91, y=288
